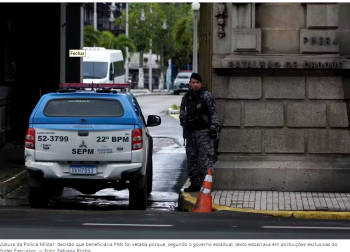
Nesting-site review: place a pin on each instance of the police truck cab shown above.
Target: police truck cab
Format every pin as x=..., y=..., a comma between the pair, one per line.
x=89, y=141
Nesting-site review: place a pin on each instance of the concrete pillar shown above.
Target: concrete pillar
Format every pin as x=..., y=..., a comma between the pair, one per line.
x=74, y=41
x=63, y=43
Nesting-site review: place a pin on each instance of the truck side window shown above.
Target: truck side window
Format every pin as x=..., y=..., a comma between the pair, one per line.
x=119, y=68
x=139, y=112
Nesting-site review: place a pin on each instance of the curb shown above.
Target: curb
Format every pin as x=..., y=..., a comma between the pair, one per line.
x=13, y=183
x=187, y=202
x=147, y=94
x=172, y=111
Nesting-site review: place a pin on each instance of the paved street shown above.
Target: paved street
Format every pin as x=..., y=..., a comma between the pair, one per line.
x=170, y=127
x=126, y=224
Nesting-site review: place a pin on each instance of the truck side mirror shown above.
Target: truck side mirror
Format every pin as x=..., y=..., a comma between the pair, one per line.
x=153, y=120
x=111, y=76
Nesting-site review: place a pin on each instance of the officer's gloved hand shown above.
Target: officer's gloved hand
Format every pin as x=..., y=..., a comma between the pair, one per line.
x=213, y=133
x=182, y=122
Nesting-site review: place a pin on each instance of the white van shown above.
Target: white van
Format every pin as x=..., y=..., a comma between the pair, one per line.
x=101, y=65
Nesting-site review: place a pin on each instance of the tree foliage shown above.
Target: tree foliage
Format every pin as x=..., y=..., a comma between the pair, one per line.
x=176, y=40
x=91, y=36
x=183, y=38
x=107, y=40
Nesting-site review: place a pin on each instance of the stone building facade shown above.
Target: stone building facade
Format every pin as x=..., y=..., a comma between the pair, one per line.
x=280, y=73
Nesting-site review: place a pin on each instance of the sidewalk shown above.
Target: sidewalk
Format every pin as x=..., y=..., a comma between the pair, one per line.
x=143, y=92
x=12, y=172
x=313, y=205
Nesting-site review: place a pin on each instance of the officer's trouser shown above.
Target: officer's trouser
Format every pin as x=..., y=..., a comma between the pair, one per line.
x=199, y=144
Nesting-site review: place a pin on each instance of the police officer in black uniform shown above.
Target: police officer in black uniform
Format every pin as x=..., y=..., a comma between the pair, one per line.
x=199, y=117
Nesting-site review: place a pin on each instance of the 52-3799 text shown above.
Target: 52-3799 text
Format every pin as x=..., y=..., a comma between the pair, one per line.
x=53, y=138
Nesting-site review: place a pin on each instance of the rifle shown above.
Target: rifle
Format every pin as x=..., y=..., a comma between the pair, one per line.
x=184, y=133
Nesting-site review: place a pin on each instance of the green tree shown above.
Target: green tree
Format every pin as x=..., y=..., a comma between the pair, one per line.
x=91, y=37
x=109, y=41
x=163, y=41
x=183, y=36
x=138, y=31
x=161, y=38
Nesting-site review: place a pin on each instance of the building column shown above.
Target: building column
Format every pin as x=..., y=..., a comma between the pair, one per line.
x=63, y=43
x=74, y=41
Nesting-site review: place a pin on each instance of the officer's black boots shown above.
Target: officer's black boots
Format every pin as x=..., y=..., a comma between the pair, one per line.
x=192, y=188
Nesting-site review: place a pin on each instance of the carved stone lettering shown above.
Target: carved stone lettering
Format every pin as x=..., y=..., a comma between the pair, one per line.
x=335, y=41
x=247, y=64
x=321, y=40
x=313, y=41
x=318, y=41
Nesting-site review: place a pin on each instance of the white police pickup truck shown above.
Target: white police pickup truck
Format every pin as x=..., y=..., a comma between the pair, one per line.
x=89, y=141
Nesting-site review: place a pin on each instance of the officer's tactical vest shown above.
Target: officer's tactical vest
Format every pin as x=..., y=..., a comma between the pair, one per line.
x=197, y=113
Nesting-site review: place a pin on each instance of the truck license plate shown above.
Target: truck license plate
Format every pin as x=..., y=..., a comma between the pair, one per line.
x=82, y=169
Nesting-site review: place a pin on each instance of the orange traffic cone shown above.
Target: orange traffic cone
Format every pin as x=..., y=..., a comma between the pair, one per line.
x=204, y=200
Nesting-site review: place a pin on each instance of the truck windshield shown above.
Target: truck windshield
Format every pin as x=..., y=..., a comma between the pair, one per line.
x=78, y=107
x=183, y=76
x=95, y=70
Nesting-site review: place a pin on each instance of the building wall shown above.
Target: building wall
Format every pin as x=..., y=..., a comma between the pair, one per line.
x=103, y=15
x=280, y=75
x=39, y=54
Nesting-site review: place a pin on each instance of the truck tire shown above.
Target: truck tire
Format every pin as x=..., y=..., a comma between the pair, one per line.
x=138, y=197
x=150, y=177
x=56, y=191
x=38, y=197
x=149, y=182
